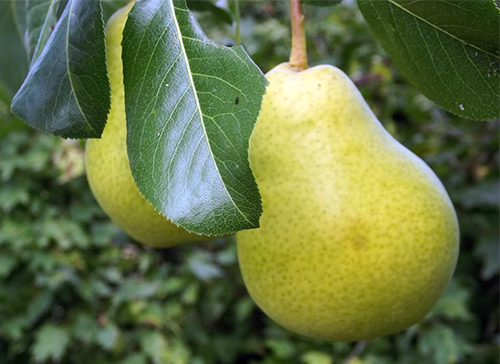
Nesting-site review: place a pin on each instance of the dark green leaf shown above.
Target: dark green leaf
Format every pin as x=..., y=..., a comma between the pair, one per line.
x=67, y=88
x=448, y=49
x=36, y=20
x=13, y=58
x=191, y=107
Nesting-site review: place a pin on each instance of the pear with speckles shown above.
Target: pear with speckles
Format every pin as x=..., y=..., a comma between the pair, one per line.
x=108, y=169
x=358, y=238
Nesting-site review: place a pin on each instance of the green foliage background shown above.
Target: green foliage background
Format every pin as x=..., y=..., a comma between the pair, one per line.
x=75, y=289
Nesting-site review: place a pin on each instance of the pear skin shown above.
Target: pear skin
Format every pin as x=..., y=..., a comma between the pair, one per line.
x=107, y=163
x=358, y=238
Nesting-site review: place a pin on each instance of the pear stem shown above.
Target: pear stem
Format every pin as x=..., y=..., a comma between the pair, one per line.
x=298, y=56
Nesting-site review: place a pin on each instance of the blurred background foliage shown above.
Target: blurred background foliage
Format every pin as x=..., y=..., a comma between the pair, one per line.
x=75, y=289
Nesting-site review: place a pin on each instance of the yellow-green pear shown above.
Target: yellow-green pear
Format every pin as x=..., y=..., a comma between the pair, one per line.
x=108, y=169
x=358, y=238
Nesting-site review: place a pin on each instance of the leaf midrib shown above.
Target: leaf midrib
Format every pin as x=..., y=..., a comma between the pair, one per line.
x=442, y=30
x=191, y=81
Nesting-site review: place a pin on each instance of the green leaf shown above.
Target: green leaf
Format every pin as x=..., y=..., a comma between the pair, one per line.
x=13, y=194
x=38, y=306
x=488, y=250
x=67, y=90
x=13, y=58
x=191, y=107
x=453, y=305
x=51, y=342
x=36, y=20
x=448, y=49
x=108, y=336
x=442, y=345
x=85, y=327
x=155, y=346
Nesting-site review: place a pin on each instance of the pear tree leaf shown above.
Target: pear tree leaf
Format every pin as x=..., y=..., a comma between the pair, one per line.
x=191, y=107
x=448, y=49
x=67, y=90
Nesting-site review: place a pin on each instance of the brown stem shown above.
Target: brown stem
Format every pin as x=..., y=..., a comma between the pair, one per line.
x=298, y=56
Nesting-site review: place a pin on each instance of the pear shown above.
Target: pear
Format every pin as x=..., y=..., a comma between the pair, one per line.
x=358, y=238
x=107, y=163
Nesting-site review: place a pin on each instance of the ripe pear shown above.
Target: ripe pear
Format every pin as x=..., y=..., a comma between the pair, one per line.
x=358, y=238
x=108, y=169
